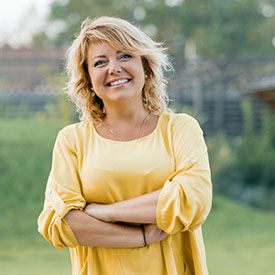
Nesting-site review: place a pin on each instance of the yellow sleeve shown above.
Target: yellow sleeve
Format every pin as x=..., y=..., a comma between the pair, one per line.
x=63, y=193
x=185, y=199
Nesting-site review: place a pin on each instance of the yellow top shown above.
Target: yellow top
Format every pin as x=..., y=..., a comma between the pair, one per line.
x=89, y=168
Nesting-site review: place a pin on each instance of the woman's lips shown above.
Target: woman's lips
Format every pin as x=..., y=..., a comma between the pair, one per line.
x=118, y=83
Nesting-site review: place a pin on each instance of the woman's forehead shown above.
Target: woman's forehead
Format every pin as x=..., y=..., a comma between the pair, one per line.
x=102, y=48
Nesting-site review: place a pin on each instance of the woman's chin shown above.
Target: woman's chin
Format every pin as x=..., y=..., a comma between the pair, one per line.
x=123, y=96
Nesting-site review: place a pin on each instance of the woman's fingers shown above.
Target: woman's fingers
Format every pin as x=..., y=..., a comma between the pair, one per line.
x=163, y=235
x=153, y=234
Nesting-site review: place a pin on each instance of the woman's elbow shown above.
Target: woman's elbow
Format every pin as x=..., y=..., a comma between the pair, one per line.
x=57, y=231
x=199, y=216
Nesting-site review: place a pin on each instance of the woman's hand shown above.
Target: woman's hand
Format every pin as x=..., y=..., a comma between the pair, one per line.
x=99, y=211
x=153, y=234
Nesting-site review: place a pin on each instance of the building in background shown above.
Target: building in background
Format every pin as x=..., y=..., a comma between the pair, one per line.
x=29, y=80
x=32, y=78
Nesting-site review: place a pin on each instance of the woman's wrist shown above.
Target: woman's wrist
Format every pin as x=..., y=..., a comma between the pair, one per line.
x=135, y=235
x=144, y=235
x=141, y=234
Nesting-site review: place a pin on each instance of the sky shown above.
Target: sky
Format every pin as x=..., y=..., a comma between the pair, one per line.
x=20, y=18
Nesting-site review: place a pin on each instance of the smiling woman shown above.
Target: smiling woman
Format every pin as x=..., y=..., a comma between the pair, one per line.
x=115, y=75
x=130, y=185
x=111, y=40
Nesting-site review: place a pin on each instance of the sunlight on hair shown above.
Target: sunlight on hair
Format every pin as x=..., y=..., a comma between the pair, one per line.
x=119, y=34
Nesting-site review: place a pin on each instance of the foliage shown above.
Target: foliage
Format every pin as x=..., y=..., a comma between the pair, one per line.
x=244, y=168
x=257, y=152
x=41, y=107
x=218, y=28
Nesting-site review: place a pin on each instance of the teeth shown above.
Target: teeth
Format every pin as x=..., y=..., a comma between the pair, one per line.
x=118, y=82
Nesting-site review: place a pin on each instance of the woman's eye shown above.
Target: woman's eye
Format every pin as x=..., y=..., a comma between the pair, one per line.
x=99, y=63
x=125, y=56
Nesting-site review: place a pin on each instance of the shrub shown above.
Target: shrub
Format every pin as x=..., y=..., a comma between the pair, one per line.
x=244, y=168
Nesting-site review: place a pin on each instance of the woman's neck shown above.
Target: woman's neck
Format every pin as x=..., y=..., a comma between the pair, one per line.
x=118, y=116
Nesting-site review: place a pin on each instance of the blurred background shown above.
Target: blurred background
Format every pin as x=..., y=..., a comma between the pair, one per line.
x=224, y=58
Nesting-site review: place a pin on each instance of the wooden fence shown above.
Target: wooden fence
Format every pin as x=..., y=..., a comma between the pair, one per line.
x=224, y=116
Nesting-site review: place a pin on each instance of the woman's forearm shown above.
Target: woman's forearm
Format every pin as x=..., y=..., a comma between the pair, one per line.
x=141, y=209
x=90, y=231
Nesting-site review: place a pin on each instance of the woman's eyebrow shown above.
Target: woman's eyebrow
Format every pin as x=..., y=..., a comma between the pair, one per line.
x=99, y=56
x=104, y=56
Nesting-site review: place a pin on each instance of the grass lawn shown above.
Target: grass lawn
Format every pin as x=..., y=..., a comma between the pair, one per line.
x=19, y=257
x=239, y=239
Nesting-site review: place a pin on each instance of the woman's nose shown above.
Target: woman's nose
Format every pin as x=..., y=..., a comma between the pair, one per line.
x=114, y=68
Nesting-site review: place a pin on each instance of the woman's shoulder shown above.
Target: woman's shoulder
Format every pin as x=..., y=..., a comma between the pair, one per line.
x=75, y=127
x=180, y=119
x=76, y=131
x=182, y=126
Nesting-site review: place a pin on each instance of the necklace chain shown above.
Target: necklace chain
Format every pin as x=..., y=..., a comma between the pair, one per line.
x=113, y=133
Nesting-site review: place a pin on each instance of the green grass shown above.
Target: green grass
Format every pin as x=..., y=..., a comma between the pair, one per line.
x=239, y=239
x=22, y=257
x=25, y=157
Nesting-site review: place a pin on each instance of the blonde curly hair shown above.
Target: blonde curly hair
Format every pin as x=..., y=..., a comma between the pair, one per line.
x=119, y=34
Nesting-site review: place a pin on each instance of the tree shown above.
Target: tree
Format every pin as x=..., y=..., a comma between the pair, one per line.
x=219, y=28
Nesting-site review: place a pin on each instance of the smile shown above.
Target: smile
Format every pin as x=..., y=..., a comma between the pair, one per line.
x=118, y=82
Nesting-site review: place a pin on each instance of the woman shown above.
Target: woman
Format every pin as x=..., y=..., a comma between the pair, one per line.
x=129, y=186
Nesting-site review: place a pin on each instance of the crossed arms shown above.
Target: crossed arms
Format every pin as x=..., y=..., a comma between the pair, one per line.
x=182, y=204
x=97, y=226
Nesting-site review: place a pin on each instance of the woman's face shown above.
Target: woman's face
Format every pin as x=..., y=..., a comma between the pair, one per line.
x=115, y=75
